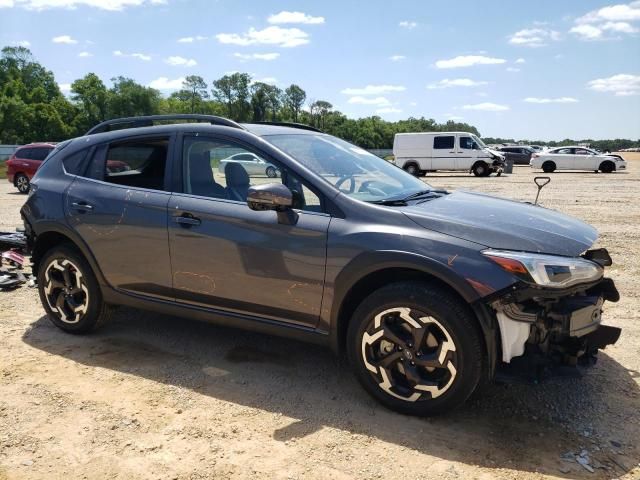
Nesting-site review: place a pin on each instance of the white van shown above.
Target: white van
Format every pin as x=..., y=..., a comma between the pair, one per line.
x=418, y=153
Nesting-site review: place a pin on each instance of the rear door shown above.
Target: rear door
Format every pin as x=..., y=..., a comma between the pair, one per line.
x=228, y=257
x=444, y=152
x=121, y=213
x=564, y=159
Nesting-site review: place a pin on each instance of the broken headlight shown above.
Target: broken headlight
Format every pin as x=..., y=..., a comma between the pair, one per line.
x=547, y=270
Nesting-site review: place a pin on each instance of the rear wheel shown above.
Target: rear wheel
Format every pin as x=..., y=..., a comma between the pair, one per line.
x=69, y=291
x=416, y=348
x=412, y=168
x=481, y=169
x=22, y=183
x=607, y=167
x=548, y=167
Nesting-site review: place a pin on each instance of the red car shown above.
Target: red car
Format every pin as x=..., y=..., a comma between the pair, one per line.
x=24, y=162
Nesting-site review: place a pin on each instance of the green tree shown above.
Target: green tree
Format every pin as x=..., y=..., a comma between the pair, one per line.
x=294, y=98
x=233, y=91
x=129, y=99
x=196, y=90
x=91, y=96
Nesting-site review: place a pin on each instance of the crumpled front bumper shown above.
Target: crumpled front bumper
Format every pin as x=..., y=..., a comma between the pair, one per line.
x=562, y=326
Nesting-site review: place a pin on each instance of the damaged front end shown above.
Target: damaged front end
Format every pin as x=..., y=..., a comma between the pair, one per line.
x=552, y=317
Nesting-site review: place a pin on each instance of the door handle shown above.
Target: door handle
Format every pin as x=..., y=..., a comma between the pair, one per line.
x=81, y=206
x=453, y=151
x=187, y=220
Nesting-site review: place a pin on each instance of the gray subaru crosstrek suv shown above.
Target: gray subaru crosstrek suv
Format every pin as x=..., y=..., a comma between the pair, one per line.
x=430, y=293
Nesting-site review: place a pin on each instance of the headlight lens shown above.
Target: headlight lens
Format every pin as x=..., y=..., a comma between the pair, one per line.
x=547, y=270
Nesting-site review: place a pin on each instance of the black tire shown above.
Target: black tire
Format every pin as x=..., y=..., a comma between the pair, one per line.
x=549, y=167
x=21, y=181
x=607, y=166
x=271, y=172
x=412, y=169
x=69, y=291
x=481, y=169
x=451, y=328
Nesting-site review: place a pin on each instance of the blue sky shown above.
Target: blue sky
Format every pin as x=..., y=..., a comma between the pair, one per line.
x=544, y=69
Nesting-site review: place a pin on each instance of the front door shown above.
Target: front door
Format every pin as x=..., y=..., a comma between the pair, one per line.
x=119, y=208
x=228, y=257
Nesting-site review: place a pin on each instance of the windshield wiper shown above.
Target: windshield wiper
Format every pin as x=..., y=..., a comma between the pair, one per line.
x=402, y=201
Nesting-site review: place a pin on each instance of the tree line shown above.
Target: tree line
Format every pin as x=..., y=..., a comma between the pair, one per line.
x=32, y=107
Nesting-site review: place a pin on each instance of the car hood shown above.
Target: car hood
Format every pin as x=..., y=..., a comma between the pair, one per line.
x=503, y=224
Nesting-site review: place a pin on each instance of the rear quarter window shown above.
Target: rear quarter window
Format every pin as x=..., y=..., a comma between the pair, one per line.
x=75, y=164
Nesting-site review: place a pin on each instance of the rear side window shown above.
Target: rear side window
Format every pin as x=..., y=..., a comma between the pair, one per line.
x=75, y=164
x=24, y=153
x=134, y=163
x=40, y=153
x=444, y=142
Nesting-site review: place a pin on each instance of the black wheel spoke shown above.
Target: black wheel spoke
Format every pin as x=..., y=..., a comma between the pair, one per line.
x=60, y=298
x=430, y=360
x=67, y=277
x=390, y=335
x=55, y=284
x=389, y=360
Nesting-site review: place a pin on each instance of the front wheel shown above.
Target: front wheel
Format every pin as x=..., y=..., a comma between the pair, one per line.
x=607, y=167
x=69, y=291
x=22, y=183
x=272, y=172
x=416, y=348
x=481, y=169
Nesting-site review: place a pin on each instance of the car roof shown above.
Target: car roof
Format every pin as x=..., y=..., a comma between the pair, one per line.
x=38, y=145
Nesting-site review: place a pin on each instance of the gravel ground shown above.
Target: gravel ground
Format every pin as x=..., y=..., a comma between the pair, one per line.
x=151, y=396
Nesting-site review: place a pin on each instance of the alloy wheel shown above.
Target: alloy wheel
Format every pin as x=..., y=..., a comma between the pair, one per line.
x=410, y=354
x=66, y=291
x=22, y=183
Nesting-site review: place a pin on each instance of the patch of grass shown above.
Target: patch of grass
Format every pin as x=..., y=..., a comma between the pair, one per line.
x=3, y=170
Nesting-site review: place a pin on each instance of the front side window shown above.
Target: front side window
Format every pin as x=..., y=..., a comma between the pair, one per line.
x=468, y=143
x=441, y=143
x=223, y=170
x=40, y=153
x=352, y=170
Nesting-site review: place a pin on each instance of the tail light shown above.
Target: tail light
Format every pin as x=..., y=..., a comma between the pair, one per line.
x=535, y=155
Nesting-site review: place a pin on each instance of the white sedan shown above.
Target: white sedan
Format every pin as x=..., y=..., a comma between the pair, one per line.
x=576, y=158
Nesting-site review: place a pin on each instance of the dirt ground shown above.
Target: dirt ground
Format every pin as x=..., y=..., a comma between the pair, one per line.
x=165, y=398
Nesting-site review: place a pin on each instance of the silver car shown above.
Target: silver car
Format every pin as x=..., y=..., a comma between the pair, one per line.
x=253, y=164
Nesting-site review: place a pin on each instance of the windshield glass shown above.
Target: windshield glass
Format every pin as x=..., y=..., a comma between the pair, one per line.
x=478, y=141
x=352, y=170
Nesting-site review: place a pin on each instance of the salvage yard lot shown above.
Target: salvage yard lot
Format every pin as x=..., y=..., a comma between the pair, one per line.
x=157, y=397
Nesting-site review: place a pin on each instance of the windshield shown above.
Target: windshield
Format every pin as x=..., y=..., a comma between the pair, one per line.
x=352, y=170
x=478, y=141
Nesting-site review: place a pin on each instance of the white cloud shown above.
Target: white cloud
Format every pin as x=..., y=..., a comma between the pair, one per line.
x=378, y=101
x=282, y=37
x=521, y=60
x=613, y=13
x=66, y=39
x=397, y=58
x=139, y=56
x=177, y=61
x=294, y=17
x=486, y=107
x=456, y=82
x=374, y=90
x=256, y=56
x=163, y=83
x=587, y=32
x=468, y=61
x=513, y=69
x=620, y=85
x=389, y=110
x=268, y=80
x=613, y=18
x=533, y=37
x=408, y=25
x=85, y=54
x=112, y=5
x=64, y=87
x=192, y=39
x=551, y=100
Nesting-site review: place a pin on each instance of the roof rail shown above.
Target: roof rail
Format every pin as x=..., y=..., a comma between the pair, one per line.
x=149, y=120
x=301, y=126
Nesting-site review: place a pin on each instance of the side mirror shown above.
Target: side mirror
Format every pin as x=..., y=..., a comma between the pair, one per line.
x=270, y=196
